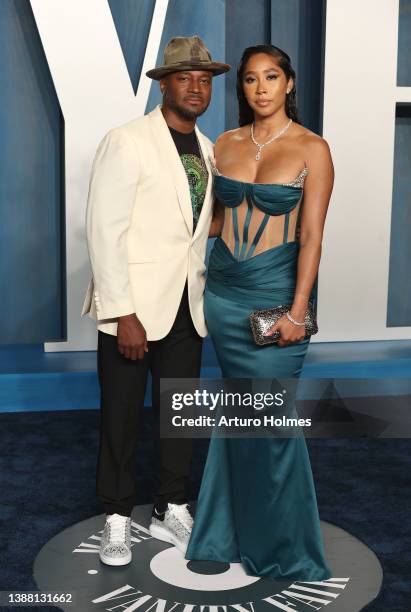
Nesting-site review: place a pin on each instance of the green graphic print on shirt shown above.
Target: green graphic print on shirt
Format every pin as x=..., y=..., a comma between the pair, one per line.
x=197, y=179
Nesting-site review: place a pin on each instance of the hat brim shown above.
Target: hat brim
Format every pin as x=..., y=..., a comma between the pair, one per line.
x=214, y=67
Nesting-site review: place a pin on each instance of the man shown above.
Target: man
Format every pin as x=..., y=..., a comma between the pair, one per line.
x=148, y=217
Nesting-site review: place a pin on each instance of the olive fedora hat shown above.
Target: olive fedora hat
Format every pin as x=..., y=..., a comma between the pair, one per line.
x=186, y=53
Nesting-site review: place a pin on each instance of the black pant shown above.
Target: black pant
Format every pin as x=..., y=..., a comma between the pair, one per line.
x=123, y=385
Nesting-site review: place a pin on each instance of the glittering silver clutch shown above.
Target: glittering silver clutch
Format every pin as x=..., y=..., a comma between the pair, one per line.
x=262, y=320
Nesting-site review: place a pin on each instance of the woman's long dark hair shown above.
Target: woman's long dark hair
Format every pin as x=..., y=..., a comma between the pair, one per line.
x=246, y=114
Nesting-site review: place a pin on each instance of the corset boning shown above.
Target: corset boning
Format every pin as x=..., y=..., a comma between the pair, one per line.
x=258, y=214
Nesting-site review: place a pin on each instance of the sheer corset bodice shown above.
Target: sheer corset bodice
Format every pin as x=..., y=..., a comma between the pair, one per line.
x=258, y=216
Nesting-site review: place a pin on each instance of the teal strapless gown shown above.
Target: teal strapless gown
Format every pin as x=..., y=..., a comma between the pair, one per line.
x=257, y=502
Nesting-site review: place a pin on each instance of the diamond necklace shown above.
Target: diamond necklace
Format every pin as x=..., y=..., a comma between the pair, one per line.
x=261, y=146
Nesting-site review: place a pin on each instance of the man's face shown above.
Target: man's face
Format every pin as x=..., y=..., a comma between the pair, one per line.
x=187, y=93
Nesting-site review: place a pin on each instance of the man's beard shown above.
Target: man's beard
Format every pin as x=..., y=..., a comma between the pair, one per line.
x=184, y=113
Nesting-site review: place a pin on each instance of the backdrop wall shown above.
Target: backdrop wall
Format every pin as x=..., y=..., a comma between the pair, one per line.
x=71, y=71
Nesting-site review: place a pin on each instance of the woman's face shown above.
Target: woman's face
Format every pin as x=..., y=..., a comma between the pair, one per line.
x=265, y=84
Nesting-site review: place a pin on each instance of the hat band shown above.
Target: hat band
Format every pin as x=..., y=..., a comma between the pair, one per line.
x=189, y=61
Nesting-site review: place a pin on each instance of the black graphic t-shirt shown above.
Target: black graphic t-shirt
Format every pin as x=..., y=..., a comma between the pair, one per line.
x=196, y=170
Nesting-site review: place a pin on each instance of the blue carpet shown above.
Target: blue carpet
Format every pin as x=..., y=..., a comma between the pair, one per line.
x=48, y=464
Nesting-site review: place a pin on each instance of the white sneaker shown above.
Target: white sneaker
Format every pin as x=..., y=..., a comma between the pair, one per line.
x=115, y=546
x=173, y=526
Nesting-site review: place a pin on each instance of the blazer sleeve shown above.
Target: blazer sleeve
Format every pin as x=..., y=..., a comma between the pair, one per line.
x=110, y=203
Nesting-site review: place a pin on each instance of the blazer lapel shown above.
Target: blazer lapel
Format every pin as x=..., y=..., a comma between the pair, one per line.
x=171, y=160
x=208, y=200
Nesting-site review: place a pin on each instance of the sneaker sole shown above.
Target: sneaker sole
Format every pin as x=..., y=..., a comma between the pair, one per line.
x=114, y=561
x=160, y=533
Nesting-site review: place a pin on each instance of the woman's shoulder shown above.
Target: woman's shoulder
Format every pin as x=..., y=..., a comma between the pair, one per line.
x=315, y=149
x=232, y=137
x=311, y=141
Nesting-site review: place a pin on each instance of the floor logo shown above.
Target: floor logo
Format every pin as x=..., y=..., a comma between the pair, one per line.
x=159, y=579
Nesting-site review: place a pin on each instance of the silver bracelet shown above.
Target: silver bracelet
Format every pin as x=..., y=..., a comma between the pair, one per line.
x=289, y=317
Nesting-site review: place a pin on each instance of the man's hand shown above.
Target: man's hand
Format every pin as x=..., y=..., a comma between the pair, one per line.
x=131, y=337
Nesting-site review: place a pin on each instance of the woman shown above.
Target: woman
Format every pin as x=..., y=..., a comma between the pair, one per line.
x=257, y=502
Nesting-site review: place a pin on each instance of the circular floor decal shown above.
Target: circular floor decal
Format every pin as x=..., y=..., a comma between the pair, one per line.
x=169, y=565
x=159, y=579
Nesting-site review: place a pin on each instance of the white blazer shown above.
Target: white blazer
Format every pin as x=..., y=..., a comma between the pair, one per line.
x=139, y=225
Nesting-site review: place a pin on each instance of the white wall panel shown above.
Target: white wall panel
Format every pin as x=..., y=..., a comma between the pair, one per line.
x=359, y=123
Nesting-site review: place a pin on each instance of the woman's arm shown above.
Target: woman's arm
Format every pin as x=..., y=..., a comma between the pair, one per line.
x=217, y=220
x=218, y=209
x=317, y=192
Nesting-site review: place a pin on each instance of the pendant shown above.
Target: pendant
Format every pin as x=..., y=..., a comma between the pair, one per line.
x=257, y=157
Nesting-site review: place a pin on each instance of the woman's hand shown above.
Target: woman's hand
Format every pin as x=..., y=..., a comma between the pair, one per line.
x=289, y=333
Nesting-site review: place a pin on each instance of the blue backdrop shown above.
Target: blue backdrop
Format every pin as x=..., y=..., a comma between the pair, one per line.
x=32, y=266
x=31, y=185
